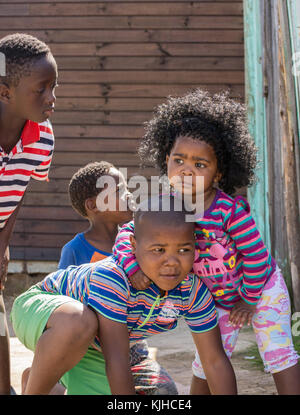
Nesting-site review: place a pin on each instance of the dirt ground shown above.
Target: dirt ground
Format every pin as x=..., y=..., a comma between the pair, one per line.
x=173, y=350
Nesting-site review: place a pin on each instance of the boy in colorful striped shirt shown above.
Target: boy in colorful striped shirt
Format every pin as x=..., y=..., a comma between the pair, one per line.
x=203, y=135
x=26, y=144
x=124, y=314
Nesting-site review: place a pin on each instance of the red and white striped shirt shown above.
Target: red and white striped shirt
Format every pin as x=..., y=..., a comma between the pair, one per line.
x=31, y=157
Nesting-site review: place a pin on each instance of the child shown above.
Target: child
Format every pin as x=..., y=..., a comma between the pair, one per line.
x=95, y=244
x=203, y=135
x=125, y=315
x=97, y=241
x=26, y=144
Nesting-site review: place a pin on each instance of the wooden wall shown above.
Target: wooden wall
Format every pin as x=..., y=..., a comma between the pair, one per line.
x=117, y=60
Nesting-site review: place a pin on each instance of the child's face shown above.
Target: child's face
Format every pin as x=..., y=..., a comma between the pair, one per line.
x=33, y=98
x=191, y=158
x=164, y=255
x=118, y=193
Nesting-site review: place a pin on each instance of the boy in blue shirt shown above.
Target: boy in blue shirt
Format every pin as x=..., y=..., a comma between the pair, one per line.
x=97, y=241
x=124, y=314
x=26, y=144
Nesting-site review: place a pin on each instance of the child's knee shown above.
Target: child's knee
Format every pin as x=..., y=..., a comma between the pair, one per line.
x=76, y=321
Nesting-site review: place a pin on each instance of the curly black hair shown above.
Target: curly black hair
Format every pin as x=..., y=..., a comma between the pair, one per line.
x=82, y=185
x=216, y=119
x=21, y=51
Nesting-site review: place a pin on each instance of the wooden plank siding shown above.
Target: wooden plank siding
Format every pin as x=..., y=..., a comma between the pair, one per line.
x=117, y=60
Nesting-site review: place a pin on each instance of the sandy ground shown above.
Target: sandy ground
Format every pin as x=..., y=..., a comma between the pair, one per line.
x=173, y=350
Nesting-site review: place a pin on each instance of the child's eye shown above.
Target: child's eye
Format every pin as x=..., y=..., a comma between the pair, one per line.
x=158, y=250
x=178, y=161
x=184, y=250
x=200, y=165
x=41, y=91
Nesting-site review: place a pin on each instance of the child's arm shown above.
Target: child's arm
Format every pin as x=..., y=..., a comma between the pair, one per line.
x=242, y=228
x=122, y=251
x=217, y=367
x=5, y=235
x=114, y=341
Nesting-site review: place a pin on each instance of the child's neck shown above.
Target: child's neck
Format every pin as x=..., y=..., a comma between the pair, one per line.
x=10, y=129
x=102, y=235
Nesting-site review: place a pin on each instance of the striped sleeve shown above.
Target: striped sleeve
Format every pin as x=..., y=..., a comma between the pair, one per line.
x=109, y=294
x=122, y=249
x=201, y=315
x=46, y=146
x=255, y=257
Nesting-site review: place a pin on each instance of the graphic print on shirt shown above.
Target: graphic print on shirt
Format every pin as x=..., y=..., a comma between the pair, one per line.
x=221, y=260
x=168, y=313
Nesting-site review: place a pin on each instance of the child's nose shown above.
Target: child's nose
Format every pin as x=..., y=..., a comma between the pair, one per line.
x=51, y=97
x=171, y=261
x=187, y=171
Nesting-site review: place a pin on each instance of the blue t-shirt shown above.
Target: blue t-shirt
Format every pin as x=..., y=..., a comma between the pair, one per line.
x=79, y=251
x=105, y=288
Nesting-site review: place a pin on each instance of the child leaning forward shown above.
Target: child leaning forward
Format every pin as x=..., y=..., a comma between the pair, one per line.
x=122, y=314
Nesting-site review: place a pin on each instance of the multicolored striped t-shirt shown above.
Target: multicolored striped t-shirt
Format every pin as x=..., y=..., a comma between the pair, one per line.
x=230, y=256
x=105, y=288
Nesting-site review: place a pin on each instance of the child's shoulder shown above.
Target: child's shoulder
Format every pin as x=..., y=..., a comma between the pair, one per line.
x=77, y=240
x=227, y=203
x=46, y=129
x=108, y=269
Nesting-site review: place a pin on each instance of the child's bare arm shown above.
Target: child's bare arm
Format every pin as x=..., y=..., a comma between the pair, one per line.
x=5, y=235
x=114, y=341
x=217, y=367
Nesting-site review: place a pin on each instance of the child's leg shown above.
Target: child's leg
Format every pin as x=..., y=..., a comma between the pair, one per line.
x=272, y=326
x=70, y=330
x=229, y=336
x=58, y=389
x=58, y=328
x=4, y=351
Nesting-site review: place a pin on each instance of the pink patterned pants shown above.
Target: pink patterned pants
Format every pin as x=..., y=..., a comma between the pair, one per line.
x=272, y=327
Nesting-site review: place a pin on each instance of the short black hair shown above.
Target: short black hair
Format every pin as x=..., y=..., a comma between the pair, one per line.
x=21, y=51
x=155, y=208
x=216, y=119
x=83, y=184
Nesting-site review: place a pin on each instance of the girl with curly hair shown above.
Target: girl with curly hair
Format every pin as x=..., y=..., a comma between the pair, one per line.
x=206, y=135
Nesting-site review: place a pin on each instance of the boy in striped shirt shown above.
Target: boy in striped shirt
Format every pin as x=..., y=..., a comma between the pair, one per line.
x=27, y=100
x=124, y=314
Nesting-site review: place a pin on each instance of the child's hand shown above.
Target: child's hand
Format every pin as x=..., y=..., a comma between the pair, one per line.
x=242, y=313
x=139, y=280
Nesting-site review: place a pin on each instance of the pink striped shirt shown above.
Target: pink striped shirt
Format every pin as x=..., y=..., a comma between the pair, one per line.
x=231, y=257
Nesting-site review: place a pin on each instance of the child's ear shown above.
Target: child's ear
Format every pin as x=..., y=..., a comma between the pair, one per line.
x=90, y=204
x=218, y=177
x=167, y=159
x=4, y=93
x=133, y=243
